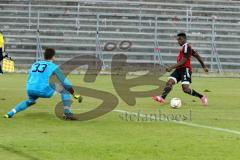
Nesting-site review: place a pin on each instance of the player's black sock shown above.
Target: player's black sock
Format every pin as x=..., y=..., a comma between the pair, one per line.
x=196, y=94
x=166, y=91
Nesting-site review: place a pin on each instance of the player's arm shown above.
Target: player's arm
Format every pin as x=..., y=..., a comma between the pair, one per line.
x=66, y=84
x=186, y=55
x=178, y=65
x=198, y=57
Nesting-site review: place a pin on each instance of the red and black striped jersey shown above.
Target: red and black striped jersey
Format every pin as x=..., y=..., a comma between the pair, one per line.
x=186, y=51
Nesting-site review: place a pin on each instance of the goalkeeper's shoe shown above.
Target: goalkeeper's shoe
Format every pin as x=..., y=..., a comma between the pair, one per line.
x=7, y=116
x=69, y=116
x=78, y=97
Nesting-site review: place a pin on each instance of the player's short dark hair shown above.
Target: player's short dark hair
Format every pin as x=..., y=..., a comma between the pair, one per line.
x=49, y=53
x=182, y=35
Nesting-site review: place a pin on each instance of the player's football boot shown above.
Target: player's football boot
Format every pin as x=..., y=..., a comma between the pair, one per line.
x=7, y=116
x=69, y=116
x=204, y=101
x=158, y=99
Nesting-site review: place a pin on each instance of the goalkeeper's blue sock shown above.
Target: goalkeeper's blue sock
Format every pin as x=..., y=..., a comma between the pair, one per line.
x=66, y=100
x=20, y=107
x=67, y=110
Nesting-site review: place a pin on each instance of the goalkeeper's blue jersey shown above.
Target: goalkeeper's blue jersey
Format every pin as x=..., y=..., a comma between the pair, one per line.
x=40, y=74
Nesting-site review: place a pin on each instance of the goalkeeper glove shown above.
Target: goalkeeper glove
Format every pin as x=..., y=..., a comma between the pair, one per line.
x=78, y=97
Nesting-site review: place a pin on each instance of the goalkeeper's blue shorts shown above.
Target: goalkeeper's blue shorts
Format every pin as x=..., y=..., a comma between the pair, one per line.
x=34, y=95
x=48, y=93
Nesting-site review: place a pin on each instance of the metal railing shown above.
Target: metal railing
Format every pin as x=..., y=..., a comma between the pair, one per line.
x=214, y=53
x=98, y=44
x=157, y=45
x=39, y=51
x=157, y=49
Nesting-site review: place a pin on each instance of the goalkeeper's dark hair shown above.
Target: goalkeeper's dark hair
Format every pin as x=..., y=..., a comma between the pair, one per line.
x=182, y=35
x=49, y=53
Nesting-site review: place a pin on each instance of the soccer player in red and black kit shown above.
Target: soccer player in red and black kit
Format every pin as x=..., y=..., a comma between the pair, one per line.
x=183, y=71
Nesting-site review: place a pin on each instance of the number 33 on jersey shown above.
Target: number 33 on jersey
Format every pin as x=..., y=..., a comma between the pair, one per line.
x=39, y=75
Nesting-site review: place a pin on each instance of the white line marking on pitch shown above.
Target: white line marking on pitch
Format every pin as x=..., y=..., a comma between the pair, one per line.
x=187, y=123
x=177, y=122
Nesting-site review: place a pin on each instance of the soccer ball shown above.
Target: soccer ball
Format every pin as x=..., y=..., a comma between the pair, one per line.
x=176, y=103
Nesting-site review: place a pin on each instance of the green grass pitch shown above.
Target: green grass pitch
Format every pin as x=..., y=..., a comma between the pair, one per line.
x=37, y=134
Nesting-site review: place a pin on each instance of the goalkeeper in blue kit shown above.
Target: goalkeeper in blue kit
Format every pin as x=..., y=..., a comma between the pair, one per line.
x=38, y=85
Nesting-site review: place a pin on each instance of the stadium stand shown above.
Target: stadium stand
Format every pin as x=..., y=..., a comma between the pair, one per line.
x=70, y=27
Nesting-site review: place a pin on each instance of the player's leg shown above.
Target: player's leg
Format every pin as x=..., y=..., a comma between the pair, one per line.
x=192, y=92
x=65, y=97
x=66, y=100
x=167, y=89
x=186, y=89
x=186, y=81
x=21, y=106
x=173, y=79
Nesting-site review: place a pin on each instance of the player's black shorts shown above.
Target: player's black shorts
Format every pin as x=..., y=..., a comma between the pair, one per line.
x=182, y=74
